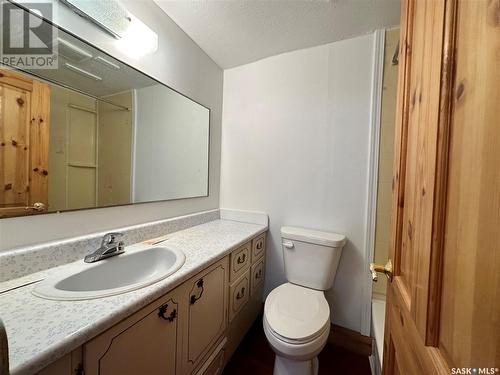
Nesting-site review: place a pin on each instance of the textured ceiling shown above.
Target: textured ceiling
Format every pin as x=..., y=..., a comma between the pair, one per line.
x=236, y=32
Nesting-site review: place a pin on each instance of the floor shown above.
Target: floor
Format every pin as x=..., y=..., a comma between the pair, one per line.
x=255, y=357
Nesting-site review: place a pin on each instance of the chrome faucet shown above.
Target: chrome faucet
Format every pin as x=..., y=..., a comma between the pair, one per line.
x=109, y=248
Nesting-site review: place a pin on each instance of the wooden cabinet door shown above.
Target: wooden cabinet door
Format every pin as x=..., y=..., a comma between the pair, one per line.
x=205, y=301
x=443, y=307
x=24, y=144
x=146, y=343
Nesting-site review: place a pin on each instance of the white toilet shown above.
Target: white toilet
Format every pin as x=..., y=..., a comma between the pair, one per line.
x=296, y=314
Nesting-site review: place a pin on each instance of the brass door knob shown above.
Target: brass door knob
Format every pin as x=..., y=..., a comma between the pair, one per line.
x=375, y=269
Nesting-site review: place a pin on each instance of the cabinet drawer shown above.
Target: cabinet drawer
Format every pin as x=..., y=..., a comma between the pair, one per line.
x=258, y=247
x=257, y=275
x=239, y=292
x=240, y=261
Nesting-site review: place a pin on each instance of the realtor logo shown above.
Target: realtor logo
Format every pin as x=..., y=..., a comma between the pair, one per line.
x=27, y=40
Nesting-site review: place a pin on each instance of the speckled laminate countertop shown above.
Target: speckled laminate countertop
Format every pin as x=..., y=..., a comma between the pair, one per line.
x=41, y=331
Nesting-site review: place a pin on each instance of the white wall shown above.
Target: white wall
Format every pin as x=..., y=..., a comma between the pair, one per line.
x=295, y=141
x=171, y=137
x=179, y=63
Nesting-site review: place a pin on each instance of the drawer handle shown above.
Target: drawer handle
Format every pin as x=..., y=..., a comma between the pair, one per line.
x=259, y=245
x=162, y=313
x=242, y=294
x=242, y=259
x=199, y=285
x=258, y=274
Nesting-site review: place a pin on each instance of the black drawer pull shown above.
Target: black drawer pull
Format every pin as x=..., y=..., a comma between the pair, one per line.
x=240, y=296
x=259, y=245
x=258, y=274
x=241, y=259
x=162, y=313
x=199, y=285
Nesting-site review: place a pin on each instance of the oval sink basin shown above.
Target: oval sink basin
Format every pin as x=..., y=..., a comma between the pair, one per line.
x=122, y=273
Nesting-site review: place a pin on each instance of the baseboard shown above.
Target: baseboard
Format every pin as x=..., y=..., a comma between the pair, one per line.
x=350, y=340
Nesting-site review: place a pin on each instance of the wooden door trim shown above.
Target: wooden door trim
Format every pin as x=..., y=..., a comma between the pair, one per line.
x=399, y=167
x=401, y=133
x=39, y=135
x=441, y=174
x=14, y=79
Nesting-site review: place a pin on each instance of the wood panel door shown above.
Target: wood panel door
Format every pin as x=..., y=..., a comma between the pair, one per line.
x=443, y=306
x=24, y=144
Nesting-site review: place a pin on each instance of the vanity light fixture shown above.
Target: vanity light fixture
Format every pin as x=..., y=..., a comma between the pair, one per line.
x=134, y=38
x=72, y=51
x=138, y=40
x=109, y=15
x=82, y=72
x=108, y=63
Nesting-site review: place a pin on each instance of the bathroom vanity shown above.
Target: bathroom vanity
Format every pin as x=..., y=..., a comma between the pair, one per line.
x=189, y=323
x=187, y=328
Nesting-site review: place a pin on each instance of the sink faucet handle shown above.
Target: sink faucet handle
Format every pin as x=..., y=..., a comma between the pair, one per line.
x=110, y=238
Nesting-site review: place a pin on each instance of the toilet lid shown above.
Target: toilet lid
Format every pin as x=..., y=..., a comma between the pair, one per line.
x=295, y=312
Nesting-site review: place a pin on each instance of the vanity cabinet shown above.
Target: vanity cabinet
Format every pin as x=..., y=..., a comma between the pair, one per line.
x=194, y=329
x=142, y=344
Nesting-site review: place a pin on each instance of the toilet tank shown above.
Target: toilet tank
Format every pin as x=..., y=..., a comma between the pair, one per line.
x=311, y=257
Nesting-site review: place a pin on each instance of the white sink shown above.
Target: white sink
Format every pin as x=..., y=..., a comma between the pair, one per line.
x=119, y=274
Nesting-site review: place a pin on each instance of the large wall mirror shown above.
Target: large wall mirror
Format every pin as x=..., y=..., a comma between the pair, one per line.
x=95, y=132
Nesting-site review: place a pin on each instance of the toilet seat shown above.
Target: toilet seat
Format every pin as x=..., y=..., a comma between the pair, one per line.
x=296, y=351
x=287, y=340
x=296, y=314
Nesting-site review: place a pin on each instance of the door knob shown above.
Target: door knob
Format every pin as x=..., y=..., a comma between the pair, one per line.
x=375, y=269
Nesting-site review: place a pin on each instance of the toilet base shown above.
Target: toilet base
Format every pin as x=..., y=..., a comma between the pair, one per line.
x=286, y=366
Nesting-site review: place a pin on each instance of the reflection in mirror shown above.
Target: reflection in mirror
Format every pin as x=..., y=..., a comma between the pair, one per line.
x=94, y=133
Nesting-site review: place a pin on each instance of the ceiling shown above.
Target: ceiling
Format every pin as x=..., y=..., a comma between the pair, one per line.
x=237, y=32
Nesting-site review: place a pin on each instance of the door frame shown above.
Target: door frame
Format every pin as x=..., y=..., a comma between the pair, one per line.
x=373, y=162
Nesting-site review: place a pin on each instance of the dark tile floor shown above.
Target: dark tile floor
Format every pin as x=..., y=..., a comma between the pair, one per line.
x=255, y=357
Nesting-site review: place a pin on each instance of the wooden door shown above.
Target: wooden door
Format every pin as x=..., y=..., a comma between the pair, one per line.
x=24, y=144
x=145, y=343
x=443, y=306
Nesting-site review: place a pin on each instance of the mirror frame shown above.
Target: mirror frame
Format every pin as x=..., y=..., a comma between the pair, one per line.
x=19, y=5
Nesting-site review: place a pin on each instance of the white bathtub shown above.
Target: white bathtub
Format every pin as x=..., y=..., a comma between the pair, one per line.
x=378, y=325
